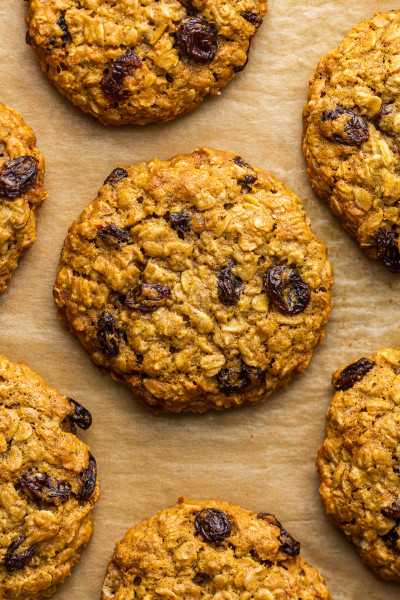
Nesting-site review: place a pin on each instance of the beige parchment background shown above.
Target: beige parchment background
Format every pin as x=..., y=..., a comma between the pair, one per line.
x=263, y=457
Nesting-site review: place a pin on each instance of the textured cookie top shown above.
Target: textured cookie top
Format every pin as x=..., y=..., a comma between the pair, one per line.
x=141, y=61
x=359, y=461
x=196, y=281
x=210, y=550
x=351, y=135
x=47, y=484
x=21, y=189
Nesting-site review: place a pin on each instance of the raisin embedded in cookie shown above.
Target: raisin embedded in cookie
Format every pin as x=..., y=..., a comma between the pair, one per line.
x=210, y=549
x=48, y=484
x=21, y=189
x=359, y=461
x=196, y=281
x=142, y=61
x=352, y=135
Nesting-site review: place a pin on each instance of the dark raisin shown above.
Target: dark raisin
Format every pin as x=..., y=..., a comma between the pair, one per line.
x=287, y=289
x=344, y=126
x=13, y=561
x=253, y=18
x=147, y=297
x=229, y=286
x=66, y=36
x=82, y=416
x=212, y=524
x=353, y=373
x=17, y=176
x=288, y=544
x=180, y=221
x=115, y=73
x=391, y=538
x=169, y=78
x=197, y=39
x=388, y=250
x=236, y=381
x=45, y=488
x=384, y=118
x=116, y=176
x=88, y=477
x=28, y=38
x=113, y=235
x=244, y=65
x=247, y=181
x=238, y=160
x=393, y=512
x=108, y=335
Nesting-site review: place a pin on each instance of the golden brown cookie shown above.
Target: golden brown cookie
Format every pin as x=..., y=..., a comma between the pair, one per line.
x=351, y=135
x=359, y=461
x=142, y=61
x=48, y=484
x=196, y=281
x=21, y=189
x=210, y=550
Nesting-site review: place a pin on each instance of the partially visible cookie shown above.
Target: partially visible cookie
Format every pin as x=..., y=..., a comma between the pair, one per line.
x=351, y=135
x=359, y=461
x=196, y=281
x=21, y=189
x=48, y=484
x=210, y=550
x=142, y=61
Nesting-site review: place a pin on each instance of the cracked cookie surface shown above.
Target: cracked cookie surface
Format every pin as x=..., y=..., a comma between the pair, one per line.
x=141, y=61
x=210, y=550
x=359, y=461
x=351, y=135
x=21, y=189
x=48, y=484
x=195, y=281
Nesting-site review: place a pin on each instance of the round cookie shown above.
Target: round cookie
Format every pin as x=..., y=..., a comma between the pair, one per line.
x=359, y=461
x=48, y=484
x=351, y=135
x=212, y=550
x=21, y=189
x=142, y=61
x=195, y=281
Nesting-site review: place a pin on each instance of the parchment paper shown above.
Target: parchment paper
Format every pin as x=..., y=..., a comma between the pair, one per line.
x=261, y=458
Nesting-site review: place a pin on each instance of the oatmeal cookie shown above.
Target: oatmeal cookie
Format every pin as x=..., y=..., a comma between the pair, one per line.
x=141, y=61
x=212, y=550
x=196, y=281
x=48, y=484
x=359, y=461
x=352, y=135
x=21, y=189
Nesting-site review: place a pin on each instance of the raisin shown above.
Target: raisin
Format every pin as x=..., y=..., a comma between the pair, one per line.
x=169, y=78
x=45, y=488
x=236, y=381
x=17, y=176
x=88, y=477
x=287, y=289
x=28, y=39
x=115, y=73
x=383, y=119
x=391, y=538
x=288, y=544
x=228, y=286
x=349, y=129
x=13, y=561
x=147, y=297
x=247, y=181
x=212, y=524
x=181, y=222
x=253, y=18
x=388, y=250
x=116, y=176
x=353, y=373
x=393, y=512
x=238, y=160
x=197, y=39
x=82, y=416
x=113, y=235
x=66, y=36
x=108, y=335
